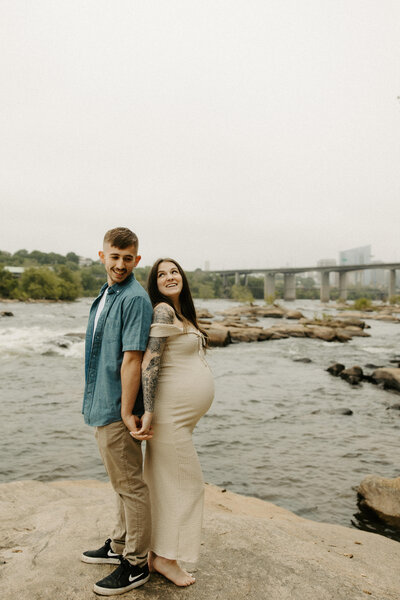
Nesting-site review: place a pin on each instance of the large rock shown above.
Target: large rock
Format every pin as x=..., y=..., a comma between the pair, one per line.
x=203, y=313
x=327, y=334
x=245, y=334
x=294, y=314
x=355, y=331
x=218, y=336
x=291, y=330
x=383, y=496
x=388, y=318
x=250, y=549
x=352, y=375
x=389, y=377
x=342, y=335
x=336, y=369
x=353, y=321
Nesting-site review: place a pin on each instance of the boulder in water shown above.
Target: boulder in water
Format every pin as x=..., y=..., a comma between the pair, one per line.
x=336, y=369
x=353, y=375
x=389, y=377
x=218, y=336
x=382, y=495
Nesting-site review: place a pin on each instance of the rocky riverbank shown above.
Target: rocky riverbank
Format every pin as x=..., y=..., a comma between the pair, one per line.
x=238, y=324
x=250, y=548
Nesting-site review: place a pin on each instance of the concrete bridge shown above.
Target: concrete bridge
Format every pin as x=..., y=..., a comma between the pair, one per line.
x=289, y=280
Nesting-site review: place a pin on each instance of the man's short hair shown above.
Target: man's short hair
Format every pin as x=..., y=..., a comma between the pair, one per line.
x=121, y=237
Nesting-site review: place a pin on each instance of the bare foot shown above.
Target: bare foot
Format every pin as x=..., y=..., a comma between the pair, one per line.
x=150, y=561
x=172, y=571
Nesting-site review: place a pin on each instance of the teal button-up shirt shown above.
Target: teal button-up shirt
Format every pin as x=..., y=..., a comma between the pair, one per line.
x=123, y=325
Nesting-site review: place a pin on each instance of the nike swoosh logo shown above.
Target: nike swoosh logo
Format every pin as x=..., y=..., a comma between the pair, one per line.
x=133, y=578
x=111, y=554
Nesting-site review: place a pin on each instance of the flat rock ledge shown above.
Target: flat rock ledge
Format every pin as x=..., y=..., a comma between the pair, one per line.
x=251, y=549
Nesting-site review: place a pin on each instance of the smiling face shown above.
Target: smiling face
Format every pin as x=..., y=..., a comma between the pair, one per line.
x=119, y=262
x=169, y=280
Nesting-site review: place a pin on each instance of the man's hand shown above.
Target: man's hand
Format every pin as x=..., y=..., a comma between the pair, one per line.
x=145, y=432
x=132, y=422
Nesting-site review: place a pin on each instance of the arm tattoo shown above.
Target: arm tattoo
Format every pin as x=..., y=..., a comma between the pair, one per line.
x=163, y=313
x=149, y=382
x=151, y=373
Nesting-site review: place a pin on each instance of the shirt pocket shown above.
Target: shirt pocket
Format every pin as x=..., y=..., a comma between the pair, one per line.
x=112, y=330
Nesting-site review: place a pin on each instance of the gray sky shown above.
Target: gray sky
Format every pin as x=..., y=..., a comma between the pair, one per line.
x=249, y=133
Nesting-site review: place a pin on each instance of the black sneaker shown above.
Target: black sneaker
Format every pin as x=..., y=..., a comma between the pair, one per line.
x=102, y=555
x=124, y=578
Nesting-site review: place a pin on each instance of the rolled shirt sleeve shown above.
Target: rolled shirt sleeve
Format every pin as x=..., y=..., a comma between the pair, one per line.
x=136, y=321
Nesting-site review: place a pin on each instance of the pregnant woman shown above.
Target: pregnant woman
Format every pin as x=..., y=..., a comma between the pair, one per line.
x=178, y=389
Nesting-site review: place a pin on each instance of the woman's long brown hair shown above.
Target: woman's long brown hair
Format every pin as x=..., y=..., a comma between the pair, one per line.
x=188, y=310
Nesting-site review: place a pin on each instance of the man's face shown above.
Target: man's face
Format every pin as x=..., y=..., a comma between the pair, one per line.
x=119, y=263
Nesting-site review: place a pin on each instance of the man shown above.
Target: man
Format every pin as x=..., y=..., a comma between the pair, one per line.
x=117, y=333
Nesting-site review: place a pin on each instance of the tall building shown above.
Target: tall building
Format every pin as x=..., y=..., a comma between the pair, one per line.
x=356, y=256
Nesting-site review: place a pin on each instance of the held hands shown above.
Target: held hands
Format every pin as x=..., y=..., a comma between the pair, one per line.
x=143, y=429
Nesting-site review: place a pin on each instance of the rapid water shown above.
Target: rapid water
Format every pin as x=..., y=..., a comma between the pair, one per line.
x=275, y=431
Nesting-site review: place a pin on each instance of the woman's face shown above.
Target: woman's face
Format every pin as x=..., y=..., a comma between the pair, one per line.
x=169, y=280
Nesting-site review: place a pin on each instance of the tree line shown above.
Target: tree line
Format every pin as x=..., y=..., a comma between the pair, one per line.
x=52, y=276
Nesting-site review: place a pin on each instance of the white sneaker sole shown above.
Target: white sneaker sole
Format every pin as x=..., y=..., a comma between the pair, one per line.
x=99, y=561
x=113, y=592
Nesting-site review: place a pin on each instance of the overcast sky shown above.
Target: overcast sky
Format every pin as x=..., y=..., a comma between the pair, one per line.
x=246, y=133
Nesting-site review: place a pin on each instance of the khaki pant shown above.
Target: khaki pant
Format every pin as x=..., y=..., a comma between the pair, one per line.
x=122, y=458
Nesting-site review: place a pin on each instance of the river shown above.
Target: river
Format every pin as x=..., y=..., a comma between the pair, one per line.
x=276, y=429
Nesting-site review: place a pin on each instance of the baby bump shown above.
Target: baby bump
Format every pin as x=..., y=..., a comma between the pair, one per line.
x=184, y=397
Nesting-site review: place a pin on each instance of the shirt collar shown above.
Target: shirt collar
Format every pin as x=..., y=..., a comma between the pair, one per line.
x=114, y=289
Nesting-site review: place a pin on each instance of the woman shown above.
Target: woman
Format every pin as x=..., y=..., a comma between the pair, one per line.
x=178, y=389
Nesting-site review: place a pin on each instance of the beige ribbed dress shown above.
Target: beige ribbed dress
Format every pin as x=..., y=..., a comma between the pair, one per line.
x=172, y=469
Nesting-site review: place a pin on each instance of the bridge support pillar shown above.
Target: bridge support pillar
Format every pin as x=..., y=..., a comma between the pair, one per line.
x=324, y=291
x=246, y=280
x=237, y=278
x=269, y=286
x=224, y=281
x=289, y=286
x=392, y=283
x=343, y=285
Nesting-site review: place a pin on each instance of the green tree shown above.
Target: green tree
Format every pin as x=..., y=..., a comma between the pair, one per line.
x=40, y=283
x=8, y=284
x=69, y=284
x=41, y=258
x=241, y=293
x=72, y=257
x=5, y=257
x=362, y=304
x=92, y=279
x=19, y=257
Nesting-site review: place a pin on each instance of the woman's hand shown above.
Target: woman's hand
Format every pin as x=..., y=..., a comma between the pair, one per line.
x=145, y=432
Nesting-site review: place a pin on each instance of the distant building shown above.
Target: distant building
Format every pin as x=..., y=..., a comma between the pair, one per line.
x=16, y=271
x=356, y=256
x=85, y=262
x=375, y=277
